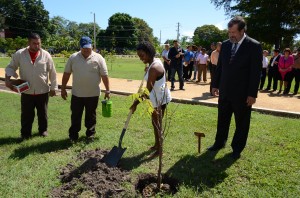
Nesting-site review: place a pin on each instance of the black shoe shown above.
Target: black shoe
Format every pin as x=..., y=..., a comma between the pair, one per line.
x=235, y=155
x=295, y=93
x=267, y=89
x=182, y=88
x=214, y=148
x=90, y=135
x=285, y=92
x=172, y=89
x=24, y=137
x=74, y=137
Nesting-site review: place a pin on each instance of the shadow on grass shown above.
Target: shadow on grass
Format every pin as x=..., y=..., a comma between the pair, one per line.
x=9, y=140
x=130, y=163
x=45, y=147
x=205, y=96
x=201, y=172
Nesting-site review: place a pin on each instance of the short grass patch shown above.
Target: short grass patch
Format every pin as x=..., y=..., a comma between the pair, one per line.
x=269, y=166
x=122, y=67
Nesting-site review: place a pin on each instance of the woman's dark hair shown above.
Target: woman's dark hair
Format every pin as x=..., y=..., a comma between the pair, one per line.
x=239, y=21
x=147, y=47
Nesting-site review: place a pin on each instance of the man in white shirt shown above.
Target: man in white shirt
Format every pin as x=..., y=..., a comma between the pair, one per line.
x=202, y=65
x=88, y=69
x=264, y=69
x=36, y=67
x=167, y=61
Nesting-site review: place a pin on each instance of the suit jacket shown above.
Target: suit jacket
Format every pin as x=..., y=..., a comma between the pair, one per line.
x=275, y=65
x=175, y=61
x=239, y=78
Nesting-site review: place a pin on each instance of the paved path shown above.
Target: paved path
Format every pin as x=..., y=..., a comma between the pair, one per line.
x=199, y=93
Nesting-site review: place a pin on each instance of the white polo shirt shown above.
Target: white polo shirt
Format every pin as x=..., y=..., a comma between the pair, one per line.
x=86, y=73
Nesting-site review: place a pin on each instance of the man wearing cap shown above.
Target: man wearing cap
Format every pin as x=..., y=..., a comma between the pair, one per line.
x=88, y=68
x=37, y=68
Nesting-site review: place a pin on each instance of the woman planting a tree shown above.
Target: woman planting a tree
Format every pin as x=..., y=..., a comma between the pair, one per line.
x=156, y=84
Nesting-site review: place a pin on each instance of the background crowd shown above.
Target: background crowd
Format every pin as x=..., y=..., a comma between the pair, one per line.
x=278, y=68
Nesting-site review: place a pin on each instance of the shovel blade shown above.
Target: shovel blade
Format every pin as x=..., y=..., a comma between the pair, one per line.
x=113, y=157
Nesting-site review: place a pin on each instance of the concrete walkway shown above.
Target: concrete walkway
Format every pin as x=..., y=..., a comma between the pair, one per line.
x=267, y=102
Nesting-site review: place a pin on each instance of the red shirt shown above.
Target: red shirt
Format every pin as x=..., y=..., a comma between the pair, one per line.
x=33, y=56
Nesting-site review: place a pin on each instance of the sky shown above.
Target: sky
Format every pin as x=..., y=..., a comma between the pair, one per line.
x=162, y=16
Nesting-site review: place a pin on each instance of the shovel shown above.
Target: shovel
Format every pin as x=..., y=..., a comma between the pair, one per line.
x=113, y=157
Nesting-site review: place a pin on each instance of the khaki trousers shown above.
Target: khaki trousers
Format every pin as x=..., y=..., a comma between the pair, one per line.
x=202, y=68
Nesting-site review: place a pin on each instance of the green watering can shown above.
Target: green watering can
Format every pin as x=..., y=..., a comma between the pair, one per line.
x=106, y=108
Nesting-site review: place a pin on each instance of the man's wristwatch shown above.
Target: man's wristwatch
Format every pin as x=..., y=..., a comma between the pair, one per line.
x=107, y=92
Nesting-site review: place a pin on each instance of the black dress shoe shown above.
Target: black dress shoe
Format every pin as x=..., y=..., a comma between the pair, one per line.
x=235, y=155
x=214, y=148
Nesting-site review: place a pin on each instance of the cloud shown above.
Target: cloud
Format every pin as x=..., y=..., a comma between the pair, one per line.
x=221, y=25
x=188, y=33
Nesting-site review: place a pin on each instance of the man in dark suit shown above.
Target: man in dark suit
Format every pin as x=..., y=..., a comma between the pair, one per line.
x=273, y=72
x=236, y=83
x=175, y=55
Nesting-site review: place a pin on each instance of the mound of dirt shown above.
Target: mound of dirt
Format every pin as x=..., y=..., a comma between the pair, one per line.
x=93, y=178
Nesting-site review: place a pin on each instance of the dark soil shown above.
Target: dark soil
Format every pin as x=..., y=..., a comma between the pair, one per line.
x=93, y=178
x=147, y=187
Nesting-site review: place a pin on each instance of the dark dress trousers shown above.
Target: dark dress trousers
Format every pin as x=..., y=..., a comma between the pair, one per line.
x=273, y=73
x=236, y=79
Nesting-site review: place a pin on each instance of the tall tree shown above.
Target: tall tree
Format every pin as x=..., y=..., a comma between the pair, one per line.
x=143, y=31
x=207, y=34
x=24, y=16
x=120, y=33
x=274, y=22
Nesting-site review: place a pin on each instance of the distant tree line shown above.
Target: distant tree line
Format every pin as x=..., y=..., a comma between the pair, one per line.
x=271, y=22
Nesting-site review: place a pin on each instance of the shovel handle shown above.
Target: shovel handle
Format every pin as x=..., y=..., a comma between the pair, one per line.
x=125, y=128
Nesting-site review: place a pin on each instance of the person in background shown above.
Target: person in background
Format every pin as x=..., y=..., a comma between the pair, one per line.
x=285, y=68
x=264, y=69
x=209, y=64
x=202, y=60
x=295, y=73
x=188, y=63
x=273, y=73
x=214, y=61
x=37, y=68
x=176, y=55
x=236, y=83
x=88, y=68
x=197, y=51
x=156, y=84
x=167, y=61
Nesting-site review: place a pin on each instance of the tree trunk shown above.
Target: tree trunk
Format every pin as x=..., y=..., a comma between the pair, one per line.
x=160, y=149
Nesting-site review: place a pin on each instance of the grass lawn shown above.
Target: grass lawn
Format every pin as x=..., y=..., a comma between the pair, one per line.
x=125, y=67
x=269, y=166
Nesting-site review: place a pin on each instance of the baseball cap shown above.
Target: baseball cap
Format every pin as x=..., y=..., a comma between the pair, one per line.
x=85, y=42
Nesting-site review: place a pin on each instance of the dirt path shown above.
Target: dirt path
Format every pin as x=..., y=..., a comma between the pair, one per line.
x=199, y=93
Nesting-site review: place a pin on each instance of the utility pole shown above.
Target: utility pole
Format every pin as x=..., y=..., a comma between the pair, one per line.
x=95, y=49
x=178, y=34
x=159, y=36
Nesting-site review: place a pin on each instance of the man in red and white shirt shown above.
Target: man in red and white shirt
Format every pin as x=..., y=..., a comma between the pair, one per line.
x=37, y=68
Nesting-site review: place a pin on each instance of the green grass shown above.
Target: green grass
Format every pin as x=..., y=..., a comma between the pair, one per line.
x=125, y=67
x=269, y=166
